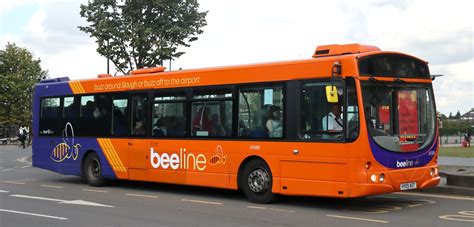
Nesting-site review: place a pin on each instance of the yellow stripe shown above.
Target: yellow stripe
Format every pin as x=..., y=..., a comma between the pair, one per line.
x=114, y=153
x=74, y=87
x=81, y=89
x=109, y=154
x=122, y=167
x=105, y=149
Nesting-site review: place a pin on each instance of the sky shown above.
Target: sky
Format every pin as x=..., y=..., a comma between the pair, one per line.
x=250, y=31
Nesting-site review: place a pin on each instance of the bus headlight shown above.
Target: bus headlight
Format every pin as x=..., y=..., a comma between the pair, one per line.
x=382, y=178
x=434, y=172
x=373, y=178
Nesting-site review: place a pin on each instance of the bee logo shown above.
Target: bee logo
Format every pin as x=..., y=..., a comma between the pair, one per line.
x=67, y=149
x=218, y=157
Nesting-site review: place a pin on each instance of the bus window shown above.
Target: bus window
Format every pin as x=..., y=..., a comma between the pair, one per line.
x=139, y=119
x=261, y=112
x=95, y=115
x=320, y=120
x=212, y=114
x=71, y=109
x=168, y=116
x=119, y=115
x=352, y=112
x=49, y=117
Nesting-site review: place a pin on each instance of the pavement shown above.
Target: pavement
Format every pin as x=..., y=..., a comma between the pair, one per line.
x=456, y=174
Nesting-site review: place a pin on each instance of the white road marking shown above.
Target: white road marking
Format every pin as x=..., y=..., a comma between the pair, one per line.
x=37, y=197
x=273, y=209
x=282, y=210
x=356, y=218
x=62, y=201
x=25, y=166
x=200, y=201
x=4, y=170
x=3, y=191
x=23, y=159
x=468, y=198
x=51, y=186
x=12, y=182
x=145, y=196
x=34, y=214
x=255, y=207
x=29, y=179
x=466, y=216
x=93, y=190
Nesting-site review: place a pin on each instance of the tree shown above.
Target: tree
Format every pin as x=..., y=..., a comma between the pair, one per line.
x=142, y=33
x=458, y=115
x=19, y=72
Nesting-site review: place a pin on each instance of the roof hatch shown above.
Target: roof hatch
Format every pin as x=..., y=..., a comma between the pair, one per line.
x=157, y=69
x=336, y=49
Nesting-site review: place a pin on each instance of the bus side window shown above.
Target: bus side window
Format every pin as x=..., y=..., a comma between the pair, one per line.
x=212, y=113
x=261, y=112
x=50, y=117
x=168, y=116
x=119, y=115
x=139, y=115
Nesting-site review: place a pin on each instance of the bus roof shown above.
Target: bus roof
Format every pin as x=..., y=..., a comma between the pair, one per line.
x=156, y=78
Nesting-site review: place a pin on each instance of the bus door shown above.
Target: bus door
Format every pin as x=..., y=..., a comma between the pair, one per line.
x=138, y=145
x=318, y=164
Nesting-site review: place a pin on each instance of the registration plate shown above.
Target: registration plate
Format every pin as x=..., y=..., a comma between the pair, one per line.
x=408, y=186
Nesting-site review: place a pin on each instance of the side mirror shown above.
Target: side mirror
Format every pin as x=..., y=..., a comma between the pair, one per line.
x=331, y=94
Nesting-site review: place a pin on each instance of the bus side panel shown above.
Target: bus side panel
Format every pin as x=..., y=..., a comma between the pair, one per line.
x=65, y=156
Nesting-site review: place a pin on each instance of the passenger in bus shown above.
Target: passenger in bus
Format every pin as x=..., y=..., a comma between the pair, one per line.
x=243, y=129
x=88, y=112
x=139, y=129
x=259, y=128
x=119, y=122
x=201, y=121
x=332, y=121
x=217, y=129
x=175, y=128
x=159, y=127
x=274, y=124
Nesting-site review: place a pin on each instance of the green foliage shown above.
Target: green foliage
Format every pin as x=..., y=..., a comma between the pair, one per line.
x=460, y=152
x=19, y=72
x=142, y=33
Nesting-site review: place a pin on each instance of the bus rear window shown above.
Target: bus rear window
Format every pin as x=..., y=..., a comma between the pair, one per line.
x=393, y=65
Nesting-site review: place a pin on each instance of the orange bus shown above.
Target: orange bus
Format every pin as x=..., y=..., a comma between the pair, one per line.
x=351, y=121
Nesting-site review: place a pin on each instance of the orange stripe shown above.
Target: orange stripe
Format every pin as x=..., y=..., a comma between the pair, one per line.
x=116, y=157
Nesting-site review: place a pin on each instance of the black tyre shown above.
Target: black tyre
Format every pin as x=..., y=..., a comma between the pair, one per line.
x=257, y=181
x=93, y=170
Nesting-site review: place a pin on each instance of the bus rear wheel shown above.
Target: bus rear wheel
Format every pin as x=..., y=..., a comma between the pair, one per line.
x=93, y=170
x=257, y=182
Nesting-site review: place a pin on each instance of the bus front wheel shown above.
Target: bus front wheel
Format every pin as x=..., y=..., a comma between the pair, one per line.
x=93, y=170
x=257, y=181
